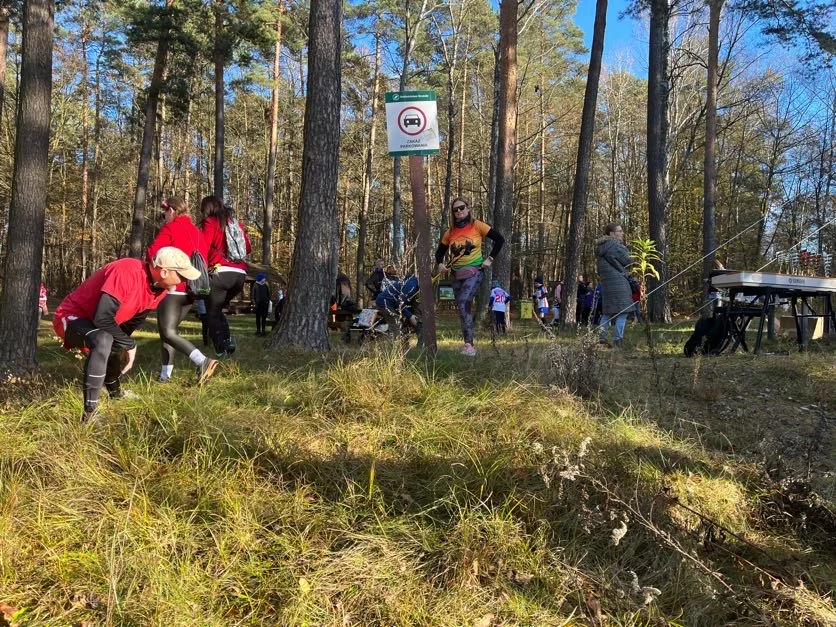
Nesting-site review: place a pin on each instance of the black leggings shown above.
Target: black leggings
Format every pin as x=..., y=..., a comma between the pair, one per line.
x=171, y=311
x=104, y=362
x=261, y=311
x=225, y=287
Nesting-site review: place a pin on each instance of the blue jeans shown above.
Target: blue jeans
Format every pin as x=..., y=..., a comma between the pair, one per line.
x=620, y=321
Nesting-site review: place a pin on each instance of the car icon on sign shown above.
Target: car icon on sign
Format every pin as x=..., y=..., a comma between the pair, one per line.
x=411, y=119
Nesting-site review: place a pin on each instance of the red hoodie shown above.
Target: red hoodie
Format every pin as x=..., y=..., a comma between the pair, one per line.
x=183, y=234
x=215, y=237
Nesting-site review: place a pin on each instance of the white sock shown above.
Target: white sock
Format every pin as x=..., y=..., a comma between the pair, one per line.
x=165, y=372
x=197, y=357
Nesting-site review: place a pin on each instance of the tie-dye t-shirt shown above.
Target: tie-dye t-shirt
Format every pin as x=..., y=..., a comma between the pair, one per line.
x=465, y=244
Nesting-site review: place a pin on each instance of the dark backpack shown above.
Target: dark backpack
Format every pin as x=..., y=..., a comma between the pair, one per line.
x=708, y=337
x=199, y=288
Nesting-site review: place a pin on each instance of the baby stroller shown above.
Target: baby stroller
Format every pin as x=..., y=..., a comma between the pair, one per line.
x=367, y=325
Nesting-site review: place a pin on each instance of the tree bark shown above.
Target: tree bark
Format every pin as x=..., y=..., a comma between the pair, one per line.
x=148, y=133
x=5, y=14
x=19, y=311
x=220, y=60
x=657, y=157
x=709, y=239
x=503, y=211
x=304, y=323
x=368, y=175
x=577, y=220
x=270, y=187
x=423, y=262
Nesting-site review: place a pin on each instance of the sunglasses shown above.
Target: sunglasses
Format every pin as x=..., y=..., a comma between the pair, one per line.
x=459, y=207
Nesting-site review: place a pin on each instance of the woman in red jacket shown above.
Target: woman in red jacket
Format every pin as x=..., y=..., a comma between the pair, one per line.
x=178, y=231
x=228, y=247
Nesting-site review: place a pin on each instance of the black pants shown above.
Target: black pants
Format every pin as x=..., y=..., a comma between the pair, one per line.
x=225, y=287
x=261, y=310
x=104, y=362
x=170, y=313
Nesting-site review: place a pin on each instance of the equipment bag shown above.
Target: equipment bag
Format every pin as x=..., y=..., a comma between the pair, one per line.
x=199, y=288
x=236, y=245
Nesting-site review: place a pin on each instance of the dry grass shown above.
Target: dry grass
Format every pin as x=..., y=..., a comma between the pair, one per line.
x=368, y=488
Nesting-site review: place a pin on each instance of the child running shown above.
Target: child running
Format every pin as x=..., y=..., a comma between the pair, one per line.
x=499, y=305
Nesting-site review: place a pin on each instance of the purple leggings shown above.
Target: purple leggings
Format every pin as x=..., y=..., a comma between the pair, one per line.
x=465, y=291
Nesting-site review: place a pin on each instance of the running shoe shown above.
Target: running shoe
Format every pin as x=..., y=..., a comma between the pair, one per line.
x=469, y=350
x=206, y=370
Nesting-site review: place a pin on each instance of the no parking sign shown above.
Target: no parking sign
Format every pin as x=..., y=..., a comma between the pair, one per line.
x=412, y=123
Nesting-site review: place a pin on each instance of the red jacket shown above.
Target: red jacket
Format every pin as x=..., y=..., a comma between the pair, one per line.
x=215, y=237
x=183, y=234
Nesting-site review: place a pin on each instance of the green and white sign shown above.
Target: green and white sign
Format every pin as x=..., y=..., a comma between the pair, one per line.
x=412, y=123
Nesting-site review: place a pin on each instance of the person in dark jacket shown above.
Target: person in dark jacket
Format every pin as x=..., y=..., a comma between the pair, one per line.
x=260, y=293
x=373, y=283
x=583, y=288
x=613, y=258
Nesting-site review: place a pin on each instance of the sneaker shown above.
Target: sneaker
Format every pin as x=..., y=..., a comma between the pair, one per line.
x=616, y=344
x=605, y=343
x=469, y=350
x=230, y=345
x=164, y=380
x=206, y=370
x=124, y=394
x=223, y=356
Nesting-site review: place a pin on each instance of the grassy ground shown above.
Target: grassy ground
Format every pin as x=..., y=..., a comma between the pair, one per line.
x=367, y=487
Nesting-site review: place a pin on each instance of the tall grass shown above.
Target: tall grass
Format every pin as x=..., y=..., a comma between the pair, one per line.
x=372, y=488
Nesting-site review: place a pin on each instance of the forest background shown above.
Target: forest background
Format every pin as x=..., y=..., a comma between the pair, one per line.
x=776, y=110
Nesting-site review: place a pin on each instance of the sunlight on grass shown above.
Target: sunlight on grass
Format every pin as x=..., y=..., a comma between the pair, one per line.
x=369, y=487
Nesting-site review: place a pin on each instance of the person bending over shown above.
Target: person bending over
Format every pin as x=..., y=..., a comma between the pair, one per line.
x=100, y=315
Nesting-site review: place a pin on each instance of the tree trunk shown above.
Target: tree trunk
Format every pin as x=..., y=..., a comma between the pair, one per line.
x=368, y=175
x=85, y=147
x=304, y=323
x=657, y=157
x=219, y=59
x=709, y=238
x=19, y=311
x=503, y=211
x=148, y=133
x=577, y=219
x=4, y=49
x=273, y=148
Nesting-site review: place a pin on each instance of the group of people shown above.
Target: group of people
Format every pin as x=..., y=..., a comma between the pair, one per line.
x=100, y=315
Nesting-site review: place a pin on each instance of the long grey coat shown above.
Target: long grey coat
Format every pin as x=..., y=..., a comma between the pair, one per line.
x=617, y=295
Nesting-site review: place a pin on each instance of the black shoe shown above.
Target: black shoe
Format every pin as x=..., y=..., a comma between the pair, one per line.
x=230, y=345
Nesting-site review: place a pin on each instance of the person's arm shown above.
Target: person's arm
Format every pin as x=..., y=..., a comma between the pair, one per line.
x=440, y=252
x=497, y=239
x=105, y=319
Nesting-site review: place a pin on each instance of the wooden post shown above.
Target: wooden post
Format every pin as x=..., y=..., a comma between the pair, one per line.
x=424, y=265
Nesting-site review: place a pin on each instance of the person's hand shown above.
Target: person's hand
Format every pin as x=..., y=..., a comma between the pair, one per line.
x=487, y=262
x=442, y=269
x=130, y=356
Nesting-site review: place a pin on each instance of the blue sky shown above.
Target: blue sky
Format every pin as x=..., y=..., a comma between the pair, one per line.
x=625, y=40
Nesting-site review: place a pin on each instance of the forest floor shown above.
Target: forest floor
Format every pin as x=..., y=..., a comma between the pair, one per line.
x=547, y=481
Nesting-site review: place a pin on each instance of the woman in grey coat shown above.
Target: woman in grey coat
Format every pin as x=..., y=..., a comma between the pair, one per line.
x=613, y=259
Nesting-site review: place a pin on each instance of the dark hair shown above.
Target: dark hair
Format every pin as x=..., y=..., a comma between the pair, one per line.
x=212, y=206
x=178, y=204
x=612, y=226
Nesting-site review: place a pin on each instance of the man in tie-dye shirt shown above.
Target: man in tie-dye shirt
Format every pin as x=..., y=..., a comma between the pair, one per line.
x=464, y=242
